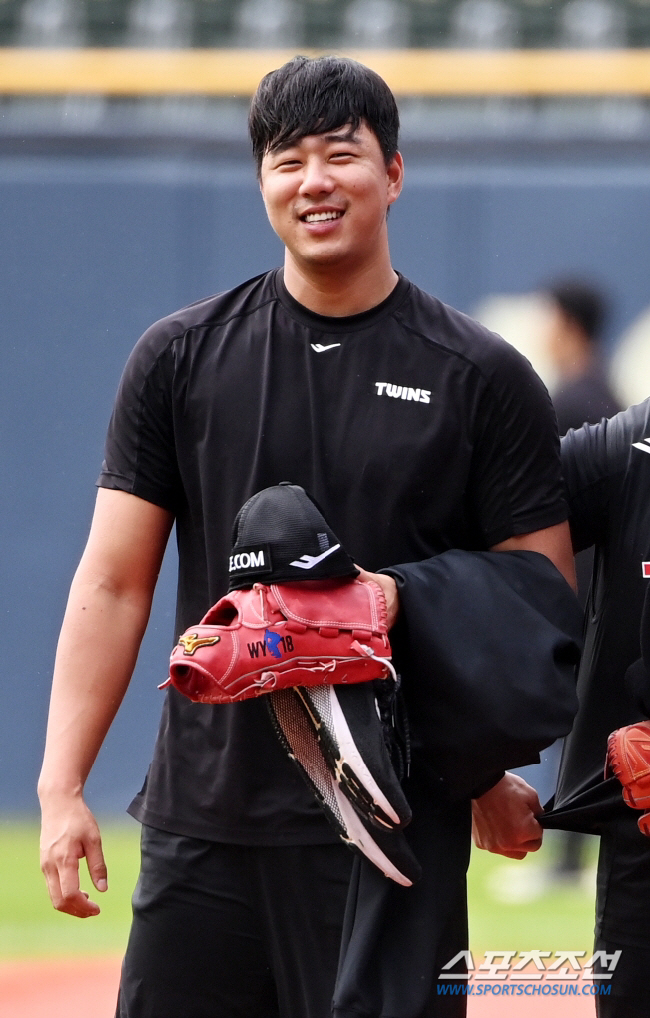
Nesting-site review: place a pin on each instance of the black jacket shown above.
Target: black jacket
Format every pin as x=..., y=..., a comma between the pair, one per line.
x=487, y=646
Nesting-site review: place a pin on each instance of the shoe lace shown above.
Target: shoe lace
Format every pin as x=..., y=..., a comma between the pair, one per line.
x=394, y=723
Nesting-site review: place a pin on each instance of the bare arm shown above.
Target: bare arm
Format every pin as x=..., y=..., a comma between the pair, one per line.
x=554, y=542
x=105, y=619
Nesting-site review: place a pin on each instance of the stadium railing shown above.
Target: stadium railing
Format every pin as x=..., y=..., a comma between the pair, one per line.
x=236, y=72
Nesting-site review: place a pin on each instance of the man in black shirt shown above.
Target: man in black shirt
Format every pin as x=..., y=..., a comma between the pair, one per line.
x=607, y=474
x=414, y=428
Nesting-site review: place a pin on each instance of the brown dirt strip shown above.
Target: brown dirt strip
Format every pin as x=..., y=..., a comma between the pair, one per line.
x=531, y=1006
x=87, y=988
x=70, y=988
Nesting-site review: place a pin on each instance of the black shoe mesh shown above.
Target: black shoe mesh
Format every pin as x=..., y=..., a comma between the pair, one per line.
x=301, y=743
x=294, y=724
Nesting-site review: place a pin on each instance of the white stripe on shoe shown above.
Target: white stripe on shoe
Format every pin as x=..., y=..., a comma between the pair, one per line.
x=348, y=750
x=364, y=841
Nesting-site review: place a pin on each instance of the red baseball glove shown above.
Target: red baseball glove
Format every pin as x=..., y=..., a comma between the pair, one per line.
x=628, y=757
x=311, y=633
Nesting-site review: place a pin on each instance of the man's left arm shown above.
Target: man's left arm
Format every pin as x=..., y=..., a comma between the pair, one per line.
x=504, y=819
x=554, y=542
x=516, y=489
x=518, y=443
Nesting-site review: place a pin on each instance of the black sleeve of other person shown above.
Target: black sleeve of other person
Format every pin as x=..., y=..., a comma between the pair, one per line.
x=607, y=474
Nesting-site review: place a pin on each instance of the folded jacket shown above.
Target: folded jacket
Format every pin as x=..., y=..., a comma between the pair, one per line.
x=487, y=646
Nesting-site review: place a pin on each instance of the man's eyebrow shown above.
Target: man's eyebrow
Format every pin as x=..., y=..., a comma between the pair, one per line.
x=351, y=134
x=343, y=134
x=282, y=147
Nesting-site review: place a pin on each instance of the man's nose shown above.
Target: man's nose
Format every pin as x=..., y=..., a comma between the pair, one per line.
x=316, y=178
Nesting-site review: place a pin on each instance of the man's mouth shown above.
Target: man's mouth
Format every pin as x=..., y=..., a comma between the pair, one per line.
x=321, y=217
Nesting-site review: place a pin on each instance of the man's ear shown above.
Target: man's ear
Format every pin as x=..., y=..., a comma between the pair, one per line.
x=395, y=174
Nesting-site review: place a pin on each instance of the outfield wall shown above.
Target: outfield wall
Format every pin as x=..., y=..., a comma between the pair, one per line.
x=95, y=247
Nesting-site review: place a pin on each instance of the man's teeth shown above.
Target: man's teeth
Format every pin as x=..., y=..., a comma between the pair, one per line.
x=320, y=217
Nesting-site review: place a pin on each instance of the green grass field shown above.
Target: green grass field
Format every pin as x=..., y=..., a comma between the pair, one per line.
x=510, y=907
x=29, y=926
x=514, y=906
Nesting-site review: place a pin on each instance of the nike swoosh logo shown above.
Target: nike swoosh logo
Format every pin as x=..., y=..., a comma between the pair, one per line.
x=319, y=348
x=644, y=446
x=309, y=561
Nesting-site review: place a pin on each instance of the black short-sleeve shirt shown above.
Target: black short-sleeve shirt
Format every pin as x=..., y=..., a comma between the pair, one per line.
x=415, y=429
x=607, y=472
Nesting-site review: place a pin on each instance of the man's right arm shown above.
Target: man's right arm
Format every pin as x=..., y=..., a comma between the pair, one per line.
x=106, y=616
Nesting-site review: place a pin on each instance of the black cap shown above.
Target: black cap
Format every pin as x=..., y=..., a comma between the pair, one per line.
x=280, y=536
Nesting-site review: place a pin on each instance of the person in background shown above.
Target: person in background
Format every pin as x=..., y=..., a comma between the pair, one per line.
x=583, y=394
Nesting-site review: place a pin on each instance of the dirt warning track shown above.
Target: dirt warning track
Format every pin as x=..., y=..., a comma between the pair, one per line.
x=59, y=989
x=87, y=988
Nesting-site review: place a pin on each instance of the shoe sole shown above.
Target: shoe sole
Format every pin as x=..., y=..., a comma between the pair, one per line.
x=362, y=839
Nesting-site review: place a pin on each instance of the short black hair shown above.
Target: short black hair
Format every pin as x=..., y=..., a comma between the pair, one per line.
x=583, y=303
x=315, y=96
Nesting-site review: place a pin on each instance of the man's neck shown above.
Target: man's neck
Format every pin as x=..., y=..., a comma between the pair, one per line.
x=329, y=291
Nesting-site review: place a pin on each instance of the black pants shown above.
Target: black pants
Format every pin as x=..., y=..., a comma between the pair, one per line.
x=627, y=995
x=231, y=931
x=397, y=939
x=623, y=918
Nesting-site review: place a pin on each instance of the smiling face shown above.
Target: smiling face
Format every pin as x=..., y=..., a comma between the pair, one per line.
x=326, y=197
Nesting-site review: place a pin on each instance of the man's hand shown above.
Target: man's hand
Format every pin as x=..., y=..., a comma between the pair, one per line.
x=69, y=832
x=389, y=587
x=504, y=819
